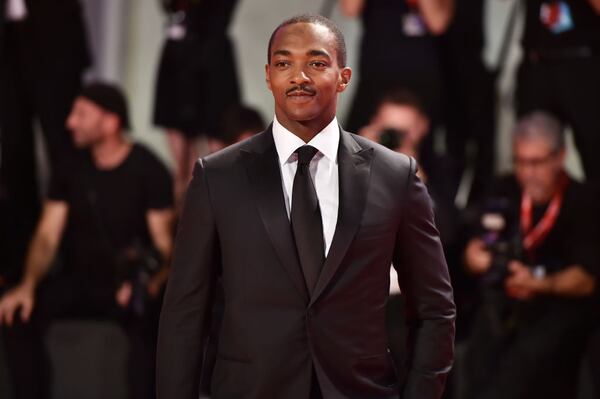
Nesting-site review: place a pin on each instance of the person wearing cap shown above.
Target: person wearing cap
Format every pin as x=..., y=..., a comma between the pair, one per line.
x=107, y=215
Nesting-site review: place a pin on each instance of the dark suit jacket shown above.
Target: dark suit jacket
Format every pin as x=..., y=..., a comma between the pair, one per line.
x=234, y=222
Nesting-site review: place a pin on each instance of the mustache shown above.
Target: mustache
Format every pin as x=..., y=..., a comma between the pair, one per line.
x=302, y=88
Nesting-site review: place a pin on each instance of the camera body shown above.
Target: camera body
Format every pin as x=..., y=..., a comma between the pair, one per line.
x=501, y=235
x=137, y=264
x=391, y=138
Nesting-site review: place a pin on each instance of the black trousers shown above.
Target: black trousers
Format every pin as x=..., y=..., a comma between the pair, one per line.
x=570, y=89
x=32, y=93
x=593, y=355
x=73, y=297
x=470, y=118
x=526, y=350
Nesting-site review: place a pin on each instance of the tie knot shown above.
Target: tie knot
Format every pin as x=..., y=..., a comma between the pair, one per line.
x=305, y=154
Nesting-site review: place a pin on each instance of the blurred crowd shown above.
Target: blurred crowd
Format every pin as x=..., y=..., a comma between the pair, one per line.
x=523, y=248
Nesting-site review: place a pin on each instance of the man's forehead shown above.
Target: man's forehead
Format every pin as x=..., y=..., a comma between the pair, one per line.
x=82, y=102
x=398, y=111
x=532, y=144
x=303, y=33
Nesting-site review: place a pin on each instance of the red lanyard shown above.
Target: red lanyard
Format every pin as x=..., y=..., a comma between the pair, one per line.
x=412, y=4
x=534, y=236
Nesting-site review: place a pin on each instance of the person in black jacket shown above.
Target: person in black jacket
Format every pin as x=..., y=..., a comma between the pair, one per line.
x=43, y=54
x=535, y=253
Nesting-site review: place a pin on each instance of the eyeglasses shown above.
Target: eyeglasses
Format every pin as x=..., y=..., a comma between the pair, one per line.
x=534, y=162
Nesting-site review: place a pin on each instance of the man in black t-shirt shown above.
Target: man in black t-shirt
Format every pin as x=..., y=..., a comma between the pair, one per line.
x=108, y=215
x=536, y=256
x=559, y=72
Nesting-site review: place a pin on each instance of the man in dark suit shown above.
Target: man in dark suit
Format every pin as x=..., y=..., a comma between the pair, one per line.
x=302, y=223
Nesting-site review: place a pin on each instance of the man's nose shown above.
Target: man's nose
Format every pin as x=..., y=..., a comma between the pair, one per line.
x=300, y=76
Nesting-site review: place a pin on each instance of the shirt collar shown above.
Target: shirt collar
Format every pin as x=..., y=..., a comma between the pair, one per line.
x=326, y=141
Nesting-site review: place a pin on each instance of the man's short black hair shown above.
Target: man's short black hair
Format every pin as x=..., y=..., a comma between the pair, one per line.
x=403, y=97
x=240, y=119
x=109, y=97
x=316, y=19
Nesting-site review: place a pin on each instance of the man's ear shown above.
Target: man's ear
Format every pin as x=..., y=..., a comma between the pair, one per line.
x=267, y=76
x=344, y=81
x=112, y=123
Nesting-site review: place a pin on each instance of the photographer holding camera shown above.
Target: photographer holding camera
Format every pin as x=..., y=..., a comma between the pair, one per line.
x=110, y=219
x=401, y=123
x=536, y=255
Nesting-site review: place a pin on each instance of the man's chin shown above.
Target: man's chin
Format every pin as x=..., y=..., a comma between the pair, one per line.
x=81, y=145
x=538, y=195
x=301, y=117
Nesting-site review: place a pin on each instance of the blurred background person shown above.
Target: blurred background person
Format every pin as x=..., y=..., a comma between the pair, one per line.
x=241, y=122
x=559, y=70
x=43, y=54
x=399, y=48
x=401, y=123
x=469, y=97
x=536, y=253
x=197, y=80
x=111, y=213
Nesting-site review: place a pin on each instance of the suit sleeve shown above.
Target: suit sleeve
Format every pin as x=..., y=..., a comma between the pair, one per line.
x=188, y=299
x=425, y=282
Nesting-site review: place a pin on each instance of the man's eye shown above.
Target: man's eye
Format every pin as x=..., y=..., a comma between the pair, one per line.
x=280, y=64
x=318, y=64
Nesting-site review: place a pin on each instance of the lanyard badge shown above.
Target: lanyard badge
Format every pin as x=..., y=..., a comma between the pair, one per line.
x=413, y=24
x=533, y=236
x=556, y=17
x=176, y=29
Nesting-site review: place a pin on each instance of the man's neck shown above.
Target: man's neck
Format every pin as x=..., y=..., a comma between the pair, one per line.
x=110, y=153
x=546, y=197
x=306, y=131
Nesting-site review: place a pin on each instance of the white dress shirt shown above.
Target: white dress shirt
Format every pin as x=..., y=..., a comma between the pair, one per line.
x=16, y=10
x=323, y=170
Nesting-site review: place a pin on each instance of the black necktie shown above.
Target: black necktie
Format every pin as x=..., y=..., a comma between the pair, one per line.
x=306, y=219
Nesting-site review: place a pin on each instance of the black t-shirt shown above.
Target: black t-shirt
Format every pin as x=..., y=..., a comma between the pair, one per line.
x=584, y=29
x=466, y=33
x=574, y=238
x=107, y=208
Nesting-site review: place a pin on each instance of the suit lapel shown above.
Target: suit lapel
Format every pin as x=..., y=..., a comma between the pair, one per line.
x=354, y=172
x=262, y=167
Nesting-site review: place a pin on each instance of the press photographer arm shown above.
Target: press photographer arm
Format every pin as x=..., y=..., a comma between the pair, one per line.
x=437, y=14
x=40, y=255
x=160, y=223
x=352, y=8
x=573, y=281
x=478, y=259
